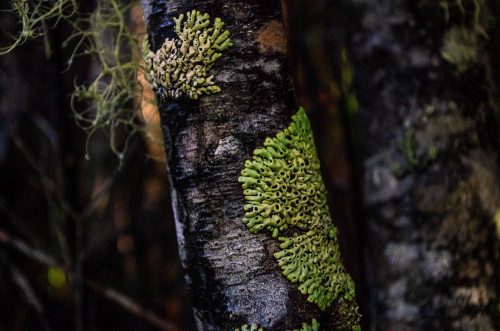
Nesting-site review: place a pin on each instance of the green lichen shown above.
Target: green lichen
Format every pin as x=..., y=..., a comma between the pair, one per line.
x=497, y=224
x=472, y=20
x=305, y=327
x=180, y=67
x=460, y=48
x=473, y=11
x=284, y=190
x=36, y=17
x=417, y=154
x=408, y=146
x=347, y=317
x=110, y=101
x=253, y=327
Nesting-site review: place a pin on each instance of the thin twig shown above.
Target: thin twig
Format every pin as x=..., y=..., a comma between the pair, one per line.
x=18, y=223
x=109, y=293
x=129, y=305
x=23, y=284
x=33, y=253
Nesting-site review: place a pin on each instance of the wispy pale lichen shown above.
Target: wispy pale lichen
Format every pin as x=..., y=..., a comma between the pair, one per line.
x=108, y=102
x=180, y=67
x=284, y=190
x=36, y=17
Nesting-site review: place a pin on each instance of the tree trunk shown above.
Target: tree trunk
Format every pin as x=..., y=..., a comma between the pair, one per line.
x=232, y=274
x=429, y=113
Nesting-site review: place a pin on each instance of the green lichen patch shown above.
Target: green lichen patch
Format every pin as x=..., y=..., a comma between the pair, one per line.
x=305, y=327
x=347, y=317
x=497, y=223
x=460, y=48
x=180, y=67
x=253, y=327
x=284, y=190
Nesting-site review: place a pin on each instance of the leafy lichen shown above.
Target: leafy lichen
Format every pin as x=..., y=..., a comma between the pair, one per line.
x=246, y=327
x=284, y=190
x=460, y=48
x=347, y=317
x=180, y=67
x=472, y=20
x=305, y=327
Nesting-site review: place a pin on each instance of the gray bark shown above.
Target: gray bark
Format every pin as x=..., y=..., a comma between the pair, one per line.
x=232, y=274
x=432, y=247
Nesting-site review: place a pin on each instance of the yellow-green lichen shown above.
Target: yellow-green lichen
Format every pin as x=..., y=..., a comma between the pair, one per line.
x=305, y=327
x=253, y=327
x=284, y=190
x=35, y=19
x=180, y=67
x=347, y=317
x=471, y=20
x=460, y=48
x=109, y=101
x=497, y=222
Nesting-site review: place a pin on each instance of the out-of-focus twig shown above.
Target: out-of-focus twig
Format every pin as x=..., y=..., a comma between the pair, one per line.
x=24, y=286
x=109, y=293
x=129, y=305
x=33, y=253
x=18, y=223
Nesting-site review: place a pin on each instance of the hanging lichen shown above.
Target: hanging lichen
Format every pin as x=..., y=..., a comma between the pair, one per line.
x=284, y=190
x=180, y=66
x=36, y=18
x=109, y=101
x=305, y=327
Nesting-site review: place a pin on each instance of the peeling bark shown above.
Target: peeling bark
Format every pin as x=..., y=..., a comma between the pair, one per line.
x=232, y=274
x=432, y=176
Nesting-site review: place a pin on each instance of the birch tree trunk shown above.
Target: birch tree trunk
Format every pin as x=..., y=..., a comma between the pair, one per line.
x=232, y=274
x=429, y=118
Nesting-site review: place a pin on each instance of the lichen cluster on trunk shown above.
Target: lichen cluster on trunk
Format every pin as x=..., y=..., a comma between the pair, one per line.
x=232, y=274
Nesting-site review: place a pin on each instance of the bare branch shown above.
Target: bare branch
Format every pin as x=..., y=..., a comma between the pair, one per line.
x=111, y=294
x=33, y=253
x=129, y=305
x=27, y=291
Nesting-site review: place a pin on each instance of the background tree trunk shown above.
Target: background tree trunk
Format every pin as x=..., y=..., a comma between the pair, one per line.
x=429, y=119
x=232, y=274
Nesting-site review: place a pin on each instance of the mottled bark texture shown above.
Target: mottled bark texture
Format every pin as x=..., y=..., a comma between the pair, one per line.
x=233, y=277
x=429, y=119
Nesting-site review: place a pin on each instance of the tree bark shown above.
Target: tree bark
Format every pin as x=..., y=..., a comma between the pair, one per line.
x=232, y=274
x=429, y=113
